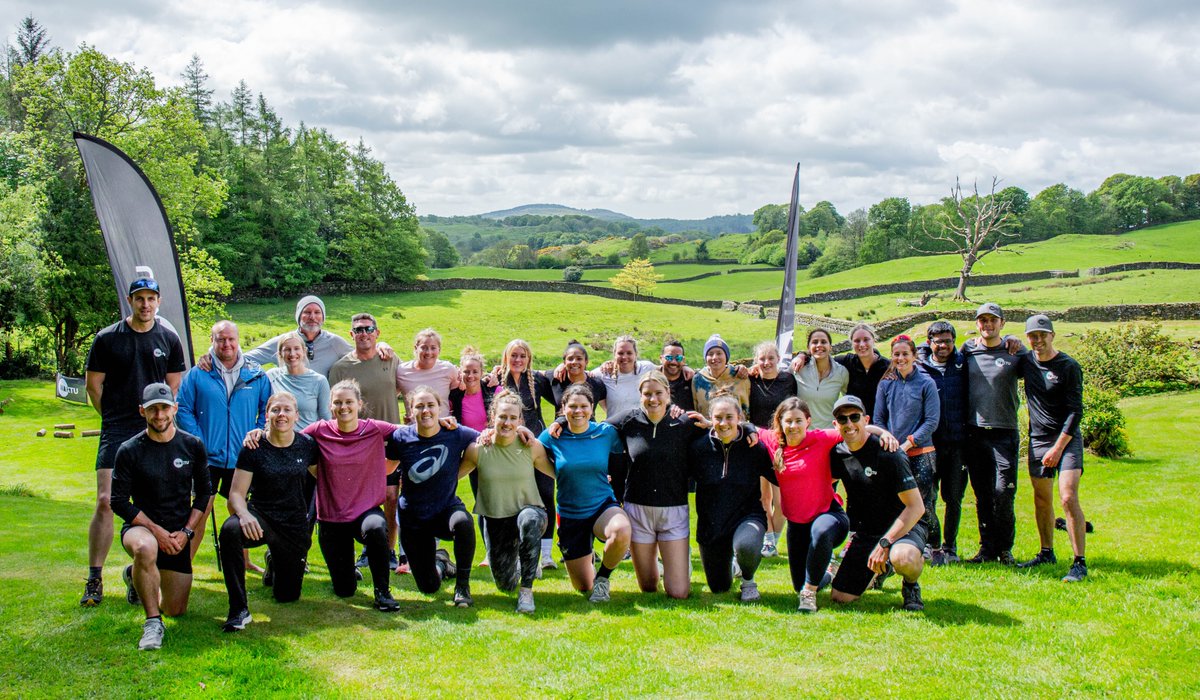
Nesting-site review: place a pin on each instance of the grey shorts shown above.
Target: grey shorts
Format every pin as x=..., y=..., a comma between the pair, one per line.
x=658, y=523
x=1071, y=460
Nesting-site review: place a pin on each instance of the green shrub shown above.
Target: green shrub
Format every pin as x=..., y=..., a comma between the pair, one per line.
x=1135, y=358
x=1103, y=425
x=572, y=273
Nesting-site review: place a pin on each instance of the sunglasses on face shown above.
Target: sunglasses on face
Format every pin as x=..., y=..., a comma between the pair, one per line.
x=673, y=358
x=848, y=418
x=363, y=329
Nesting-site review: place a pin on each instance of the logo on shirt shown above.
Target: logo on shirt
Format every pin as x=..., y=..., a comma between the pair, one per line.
x=180, y=463
x=869, y=472
x=1051, y=377
x=1001, y=362
x=428, y=465
x=158, y=352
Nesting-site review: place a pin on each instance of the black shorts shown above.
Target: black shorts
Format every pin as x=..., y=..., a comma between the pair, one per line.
x=854, y=575
x=221, y=480
x=1072, y=456
x=180, y=563
x=575, y=535
x=110, y=440
x=437, y=525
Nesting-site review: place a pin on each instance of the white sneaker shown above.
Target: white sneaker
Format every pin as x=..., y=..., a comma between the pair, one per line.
x=808, y=601
x=152, y=635
x=525, y=601
x=600, y=590
x=750, y=592
x=548, y=561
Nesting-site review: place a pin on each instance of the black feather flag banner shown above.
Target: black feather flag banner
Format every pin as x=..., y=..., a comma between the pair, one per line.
x=786, y=325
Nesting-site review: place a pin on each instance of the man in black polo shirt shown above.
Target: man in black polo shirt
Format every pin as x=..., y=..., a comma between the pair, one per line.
x=884, y=506
x=674, y=368
x=125, y=357
x=160, y=486
x=1054, y=393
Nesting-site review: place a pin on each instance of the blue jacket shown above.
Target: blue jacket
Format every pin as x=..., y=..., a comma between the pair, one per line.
x=221, y=422
x=951, y=382
x=907, y=406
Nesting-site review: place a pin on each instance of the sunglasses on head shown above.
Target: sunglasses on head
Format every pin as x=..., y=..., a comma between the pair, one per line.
x=673, y=358
x=363, y=329
x=848, y=418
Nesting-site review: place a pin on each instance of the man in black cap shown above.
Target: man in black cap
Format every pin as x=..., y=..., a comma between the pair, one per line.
x=1054, y=394
x=884, y=506
x=993, y=438
x=160, y=486
x=125, y=357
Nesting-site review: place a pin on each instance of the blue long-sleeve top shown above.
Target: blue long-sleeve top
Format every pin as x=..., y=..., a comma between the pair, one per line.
x=219, y=418
x=908, y=406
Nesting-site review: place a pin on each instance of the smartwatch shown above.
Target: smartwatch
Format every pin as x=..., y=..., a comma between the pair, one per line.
x=884, y=543
x=188, y=531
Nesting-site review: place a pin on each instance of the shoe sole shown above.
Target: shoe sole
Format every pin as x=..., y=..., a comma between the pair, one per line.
x=131, y=595
x=90, y=602
x=237, y=626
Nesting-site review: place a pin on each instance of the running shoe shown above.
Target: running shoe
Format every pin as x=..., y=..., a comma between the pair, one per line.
x=525, y=601
x=951, y=555
x=384, y=602
x=152, y=634
x=912, y=597
x=485, y=563
x=1044, y=556
x=769, y=549
x=237, y=621
x=628, y=555
x=981, y=557
x=1077, y=573
x=832, y=569
x=1006, y=558
x=462, y=596
x=449, y=570
x=268, y=571
x=877, y=582
x=402, y=568
x=735, y=568
x=1061, y=524
x=808, y=601
x=548, y=560
x=927, y=553
x=93, y=593
x=600, y=593
x=393, y=560
x=131, y=595
x=358, y=574
x=362, y=562
x=749, y=592
x=937, y=558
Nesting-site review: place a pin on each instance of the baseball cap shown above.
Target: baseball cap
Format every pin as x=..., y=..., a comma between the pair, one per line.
x=157, y=393
x=849, y=400
x=143, y=283
x=990, y=308
x=1039, y=322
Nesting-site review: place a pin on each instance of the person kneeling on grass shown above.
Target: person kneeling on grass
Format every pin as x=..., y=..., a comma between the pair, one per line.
x=160, y=487
x=276, y=515
x=884, y=507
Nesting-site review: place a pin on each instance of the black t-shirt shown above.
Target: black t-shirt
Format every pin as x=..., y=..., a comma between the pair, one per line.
x=658, y=466
x=131, y=360
x=164, y=480
x=599, y=391
x=767, y=394
x=873, y=478
x=531, y=398
x=1054, y=393
x=727, y=485
x=864, y=382
x=681, y=393
x=277, y=491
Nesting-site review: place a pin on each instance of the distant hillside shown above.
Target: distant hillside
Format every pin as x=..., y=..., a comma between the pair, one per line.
x=555, y=210
x=725, y=223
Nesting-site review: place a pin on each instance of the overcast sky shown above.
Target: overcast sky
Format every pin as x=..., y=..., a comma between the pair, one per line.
x=664, y=108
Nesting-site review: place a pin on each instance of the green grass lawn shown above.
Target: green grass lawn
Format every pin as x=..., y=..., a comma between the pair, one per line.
x=1130, y=630
x=589, y=275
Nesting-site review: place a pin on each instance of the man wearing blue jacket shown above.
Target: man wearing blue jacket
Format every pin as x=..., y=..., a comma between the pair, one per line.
x=220, y=405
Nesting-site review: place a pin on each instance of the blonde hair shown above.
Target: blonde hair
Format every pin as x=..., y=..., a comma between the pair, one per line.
x=470, y=353
x=427, y=333
x=764, y=346
x=654, y=376
x=290, y=335
x=282, y=397
x=506, y=397
x=422, y=389
x=506, y=372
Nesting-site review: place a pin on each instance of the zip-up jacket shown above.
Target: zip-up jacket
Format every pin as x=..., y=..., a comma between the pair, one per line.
x=908, y=406
x=657, y=457
x=951, y=383
x=727, y=486
x=222, y=422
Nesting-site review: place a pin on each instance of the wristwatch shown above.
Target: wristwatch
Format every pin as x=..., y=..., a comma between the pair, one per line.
x=188, y=531
x=884, y=543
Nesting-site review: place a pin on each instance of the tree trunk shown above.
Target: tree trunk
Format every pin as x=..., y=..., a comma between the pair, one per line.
x=960, y=294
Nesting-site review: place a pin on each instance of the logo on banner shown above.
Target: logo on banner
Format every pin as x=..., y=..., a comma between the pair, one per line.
x=71, y=389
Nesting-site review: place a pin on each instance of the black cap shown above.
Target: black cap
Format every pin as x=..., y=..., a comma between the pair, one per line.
x=157, y=393
x=143, y=283
x=1039, y=322
x=990, y=308
x=849, y=400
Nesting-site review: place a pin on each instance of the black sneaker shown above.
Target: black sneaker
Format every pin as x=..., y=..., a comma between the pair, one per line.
x=131, y=595
x=1006, y=558
x=449, y=570
x=237, y=621
x=1061, y=524
x=1045, y=556
x=358, y=574
x=912, y=597
x=393, y=560
x=384, y=602
x=1077, y=573
x=877, y=581
x=268, y=571
x=93, y=593
x=981, y=557
x=362, y=562
x=462, y=597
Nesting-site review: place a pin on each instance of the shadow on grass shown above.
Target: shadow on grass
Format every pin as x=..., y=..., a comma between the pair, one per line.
x=1140, y=568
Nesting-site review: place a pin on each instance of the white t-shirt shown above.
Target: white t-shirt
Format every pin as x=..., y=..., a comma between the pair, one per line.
x=623, y=388
x=439, y=377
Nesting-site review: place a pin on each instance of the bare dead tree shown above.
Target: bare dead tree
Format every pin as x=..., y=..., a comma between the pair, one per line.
x=976, y=227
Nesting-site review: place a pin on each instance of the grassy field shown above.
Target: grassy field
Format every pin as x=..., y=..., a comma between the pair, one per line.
x=1130, y=630
x=589, y=275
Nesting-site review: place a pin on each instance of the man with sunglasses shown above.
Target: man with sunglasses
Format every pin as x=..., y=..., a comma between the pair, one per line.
x=376, y=377
x=884, y=506
x=324, y=348
x=948, y=369
x=673, y=368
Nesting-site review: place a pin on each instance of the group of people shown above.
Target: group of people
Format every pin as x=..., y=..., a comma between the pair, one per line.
x=317, y=442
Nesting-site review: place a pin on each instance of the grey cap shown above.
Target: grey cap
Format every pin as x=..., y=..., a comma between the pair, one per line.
x=1039, y=322
x=157, y=393
x=990, y=308
x=849, y=400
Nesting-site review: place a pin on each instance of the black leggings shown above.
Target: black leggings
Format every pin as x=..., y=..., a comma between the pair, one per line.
x=545, y=487
x=744, y=544
x=951, y=476
x=287, y=561
x=516, y=545
x=810, y=545
x=419, y=538
x=337, y=546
